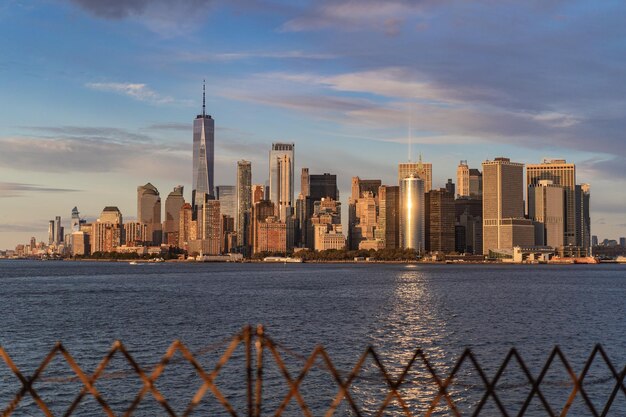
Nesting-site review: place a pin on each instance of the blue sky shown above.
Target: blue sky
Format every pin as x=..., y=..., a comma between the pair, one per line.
x=98, y=97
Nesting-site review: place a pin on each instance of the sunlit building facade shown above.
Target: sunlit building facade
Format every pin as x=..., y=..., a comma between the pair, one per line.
x=281, y=174
x=149, y=211
x=171, y=224
x=420, y=169
x=412, y=213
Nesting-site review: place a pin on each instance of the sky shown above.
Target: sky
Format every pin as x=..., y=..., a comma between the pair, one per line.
x=98, y=97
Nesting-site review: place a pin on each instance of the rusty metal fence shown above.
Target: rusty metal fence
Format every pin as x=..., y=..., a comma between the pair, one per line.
x=261, y=351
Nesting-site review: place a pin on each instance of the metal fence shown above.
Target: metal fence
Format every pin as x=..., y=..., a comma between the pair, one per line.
x=261, y=351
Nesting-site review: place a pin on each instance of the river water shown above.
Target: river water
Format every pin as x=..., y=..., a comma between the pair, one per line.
x=441, y=309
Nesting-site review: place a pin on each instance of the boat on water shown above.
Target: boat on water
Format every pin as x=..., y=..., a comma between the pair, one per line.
x=621, y=259
x=586, y=260
x=133, y=263
x=282, y=259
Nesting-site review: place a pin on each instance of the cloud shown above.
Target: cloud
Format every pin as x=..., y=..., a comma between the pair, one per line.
x=137, y=91
x=240, y=56
x=72, y=149
x=357, y=15
x=90, y=131
x=15, y=189
x=31, y=227
x=171, y=126
x=166, y=17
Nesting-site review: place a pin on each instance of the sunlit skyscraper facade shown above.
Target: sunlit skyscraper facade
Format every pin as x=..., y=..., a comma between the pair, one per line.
x=203, y=156
x=412, y=213
x=281, y=178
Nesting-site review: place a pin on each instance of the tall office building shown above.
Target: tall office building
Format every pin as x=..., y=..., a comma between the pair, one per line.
x=171, y=224
x=475, y=183
x=211, y=227
x=260, y=212
x=244, y=203
x=51, y=232
x=362, y=211
x=420, y=169
x=412, y=213
x=546, y=206
x=389, y=216
x=281, y=178
x=451, y=187
x=304, y=182
x=227, y=196
x=203, y=156
x=504, y=225
x=135, y=233
x=258, y=193
x=107, y=231
x=58, y=231
x=315, y=187
x=185, y=225
x=583, y=219
x=149, y=211
x=440, y=220
x=76, y=221
x=323, y=186
x=462, y=179
x=563, y=174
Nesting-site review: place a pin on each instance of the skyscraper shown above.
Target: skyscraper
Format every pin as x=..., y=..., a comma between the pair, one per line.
x=323, y=186
x=412, y=213
x=563, y=174
x=462, y=179
x=185, y=226
x=149, y=211
x=389, y=216
x=504, y=225
x=75, y=222
x=304, y=182
x=440, y=220
x=107, y=230
x=546, y=206
x=203, y=156
x=171, y=225
x=51, y=232
x=258, y=193
x=475, y=183
x=58, y=231
x=583, y=220
x=244, y=203
x=281, y=178
x=227, y=195
x=422, y=170
x=362, y=211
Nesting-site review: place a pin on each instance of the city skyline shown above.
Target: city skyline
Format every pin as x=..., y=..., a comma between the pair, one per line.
x=105, y=126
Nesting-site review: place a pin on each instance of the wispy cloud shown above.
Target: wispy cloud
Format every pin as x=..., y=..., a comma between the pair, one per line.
x=16, y=189
x=30, y=227
x=137, y=91
x=384, y=16
x=246, y=55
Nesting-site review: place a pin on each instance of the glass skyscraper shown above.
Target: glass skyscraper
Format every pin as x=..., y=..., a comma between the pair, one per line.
x=203, y=156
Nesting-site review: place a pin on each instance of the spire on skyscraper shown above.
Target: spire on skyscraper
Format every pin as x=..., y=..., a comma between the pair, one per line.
x=203, y=99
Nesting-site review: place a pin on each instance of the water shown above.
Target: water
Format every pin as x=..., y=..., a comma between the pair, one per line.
x=395, y=308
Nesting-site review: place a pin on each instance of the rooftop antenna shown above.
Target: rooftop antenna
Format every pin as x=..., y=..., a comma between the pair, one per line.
x=203, y=99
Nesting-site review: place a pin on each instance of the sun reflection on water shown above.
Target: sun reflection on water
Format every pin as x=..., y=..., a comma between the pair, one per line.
x=414, y=319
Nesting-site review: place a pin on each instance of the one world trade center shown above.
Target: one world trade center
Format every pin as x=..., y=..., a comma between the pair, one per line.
x=203, y=157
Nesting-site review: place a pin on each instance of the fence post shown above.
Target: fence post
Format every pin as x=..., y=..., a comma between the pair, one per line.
x=247, y=336
x=260, y=344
